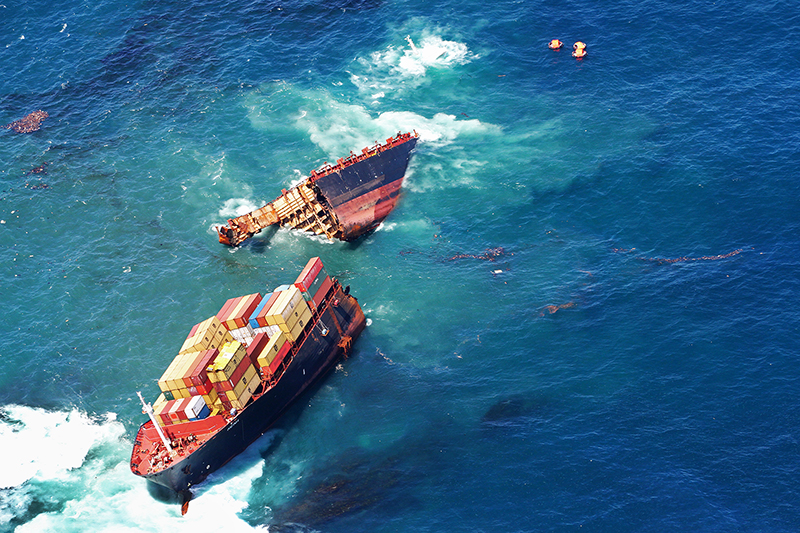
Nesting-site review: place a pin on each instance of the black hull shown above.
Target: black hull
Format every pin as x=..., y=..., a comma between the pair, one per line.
x=318, y=354
x=361, y=178
x=361, y=195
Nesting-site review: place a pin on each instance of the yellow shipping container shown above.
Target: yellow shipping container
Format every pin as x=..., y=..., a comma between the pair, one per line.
x=230, y=355
x=292, y=329
x=181, y=393
x=196, y=343
x=276, y=306
x=284, y=308
x=210, y=327
x=274, y=345
x=182, y=370
x=163, y=382
x=169, y=375
x=209, y=334
x=301, y=324
x=211, y=398
x=159, y=403
x=175, y=380
x=250, y=376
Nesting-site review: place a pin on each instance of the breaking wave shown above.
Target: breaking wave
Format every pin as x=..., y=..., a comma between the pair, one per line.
x=66, y=471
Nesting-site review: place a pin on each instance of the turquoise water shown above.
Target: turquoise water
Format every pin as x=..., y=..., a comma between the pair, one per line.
x=628, y=363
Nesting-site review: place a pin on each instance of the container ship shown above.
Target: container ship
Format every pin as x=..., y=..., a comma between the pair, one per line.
x=342, y=201
x=238, y=371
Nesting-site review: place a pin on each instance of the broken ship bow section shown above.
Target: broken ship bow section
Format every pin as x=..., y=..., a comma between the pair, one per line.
x=362, y=193
x=287, y=359
x=340, y=201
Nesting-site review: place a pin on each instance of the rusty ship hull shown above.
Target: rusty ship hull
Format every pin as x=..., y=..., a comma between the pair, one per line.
x=342, y=201
x=206, y=445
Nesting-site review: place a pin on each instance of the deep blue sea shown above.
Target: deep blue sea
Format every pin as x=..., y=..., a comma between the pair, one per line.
x=628, y=362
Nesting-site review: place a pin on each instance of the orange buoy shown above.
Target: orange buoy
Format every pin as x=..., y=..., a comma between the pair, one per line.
x=578, y=46
x=580, y=53
x=555, y=44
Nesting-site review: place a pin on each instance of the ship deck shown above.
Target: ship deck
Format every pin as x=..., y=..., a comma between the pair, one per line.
x=149, y=453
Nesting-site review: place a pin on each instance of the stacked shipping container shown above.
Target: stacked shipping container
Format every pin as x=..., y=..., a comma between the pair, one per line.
x=217, y=368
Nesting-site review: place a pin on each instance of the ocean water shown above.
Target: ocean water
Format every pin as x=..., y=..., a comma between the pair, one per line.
x=627, y=362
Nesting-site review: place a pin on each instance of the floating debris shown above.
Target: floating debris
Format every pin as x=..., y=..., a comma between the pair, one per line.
x=489, y=255
x=550, y=309
x=28, y=124
x=41, y=169
x=684, y=259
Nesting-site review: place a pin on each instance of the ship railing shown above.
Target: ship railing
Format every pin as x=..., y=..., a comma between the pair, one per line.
x=367, y=152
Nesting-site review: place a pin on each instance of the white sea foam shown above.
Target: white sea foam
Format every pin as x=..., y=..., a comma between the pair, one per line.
x=79, y=466
x=397, y=67
x=235, y=207
x=47, y=445
x=338, y=128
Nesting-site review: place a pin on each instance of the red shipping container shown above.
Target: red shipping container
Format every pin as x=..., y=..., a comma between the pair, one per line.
x=222, y=386
x=163, y=412
x=240, y=370
x=273, y=366
x=200, y=390
x=198, y=374
x=231, y=324
x=322, y=291
x=222, y=316
x=260, y=342
x=308, y=274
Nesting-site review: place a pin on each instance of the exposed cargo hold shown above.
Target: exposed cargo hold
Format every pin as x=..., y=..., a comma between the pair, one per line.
x=341, y=201
x=238, y=371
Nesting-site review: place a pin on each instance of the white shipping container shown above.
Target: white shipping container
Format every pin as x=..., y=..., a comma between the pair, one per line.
x=194, y=407
x=269, y=330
